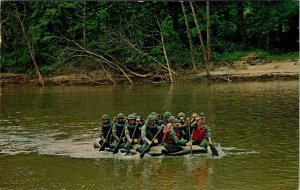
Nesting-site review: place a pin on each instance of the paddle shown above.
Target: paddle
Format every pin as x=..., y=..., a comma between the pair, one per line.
x=116, y=148
x=102, y=147
x=127, y=151
x=143, y=153
x=213, y=149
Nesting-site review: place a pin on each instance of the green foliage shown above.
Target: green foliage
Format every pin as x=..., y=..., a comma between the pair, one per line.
x=291, y=56
x=128, y=32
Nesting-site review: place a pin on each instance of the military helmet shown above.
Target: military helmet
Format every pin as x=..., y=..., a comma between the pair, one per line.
x=120, y=116
x=167, y=114
x=153, y=113
x=140, y=118
x=194, y=115
x=134, y=115
x=130, y=116
x=172, y=119
x=181, y=114
x=105, y=116
x=201, y=115
x=151, y=118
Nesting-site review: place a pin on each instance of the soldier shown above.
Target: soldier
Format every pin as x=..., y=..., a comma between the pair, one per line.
x=183, y=126
x=157, y=120
x=118, y=132
x=202, y=134
x=140, y=122
x=166, y=117
x=132, y=132
x=105, y=132
x=170, y=140
x=191, y=120
x=165, y=121
x=194, y=117
x=149, y=130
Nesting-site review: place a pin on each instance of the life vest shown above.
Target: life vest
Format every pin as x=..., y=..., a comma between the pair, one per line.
x=199, y=134
x=168, y=138
x=106, y=128
x=119, y=128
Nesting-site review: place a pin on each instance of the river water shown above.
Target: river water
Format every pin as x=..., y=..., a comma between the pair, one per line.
x=47, y=135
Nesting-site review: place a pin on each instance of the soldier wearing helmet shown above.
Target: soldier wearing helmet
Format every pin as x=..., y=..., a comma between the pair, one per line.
x=171, y=140
x=149, y=130
x=140, y=122
x=157, y=118
x=202, y=134
x=192, y=120
x=132, y=132
x=106, y=131
x=166, y=117
x=183, y=124
x=118, y=132
x=165, y=120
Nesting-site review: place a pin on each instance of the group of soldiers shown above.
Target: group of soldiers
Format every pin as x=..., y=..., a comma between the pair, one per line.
x=169, y=130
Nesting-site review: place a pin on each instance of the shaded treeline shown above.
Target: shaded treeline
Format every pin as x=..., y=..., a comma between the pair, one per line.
x=135, y=38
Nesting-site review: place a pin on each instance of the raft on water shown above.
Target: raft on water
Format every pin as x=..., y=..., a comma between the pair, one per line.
x=159, y=150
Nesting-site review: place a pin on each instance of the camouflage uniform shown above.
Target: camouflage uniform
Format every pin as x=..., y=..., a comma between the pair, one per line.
x=117, y=130
x=129, y=130
x=183, y=127
x=165, y=120
x=201, y=133
x=170, y=140
x=106, y=131
x=157, y=120
x=149, y=130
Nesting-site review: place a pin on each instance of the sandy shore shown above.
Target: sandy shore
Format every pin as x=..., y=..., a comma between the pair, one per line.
x=242, y=71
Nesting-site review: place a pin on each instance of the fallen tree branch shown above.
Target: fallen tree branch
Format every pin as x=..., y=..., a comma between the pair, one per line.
x=143, y=53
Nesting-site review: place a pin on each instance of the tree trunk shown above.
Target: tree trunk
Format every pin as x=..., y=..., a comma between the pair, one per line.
x=30, y=49
x=84, y=32
x=165, y=54
x=83, y=27
x=209, y=63
x=200, y=38
x=189, y=37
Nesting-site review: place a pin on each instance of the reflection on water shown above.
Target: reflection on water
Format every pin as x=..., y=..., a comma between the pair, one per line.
x=44, y=131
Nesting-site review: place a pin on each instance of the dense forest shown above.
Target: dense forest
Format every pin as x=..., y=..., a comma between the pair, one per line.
x=135, y=38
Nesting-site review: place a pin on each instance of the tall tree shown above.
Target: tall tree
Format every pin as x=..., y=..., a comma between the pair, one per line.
x=171, y=76
x=201, y=40
x=189, y=36
x=209, y=63
x=30, y=46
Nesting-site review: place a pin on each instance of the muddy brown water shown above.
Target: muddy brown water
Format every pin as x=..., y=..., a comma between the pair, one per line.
x=47, y=135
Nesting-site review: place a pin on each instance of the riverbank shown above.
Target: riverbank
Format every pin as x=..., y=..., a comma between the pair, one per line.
x=237, y=71
x=241, y=71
